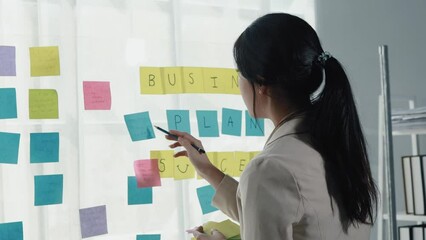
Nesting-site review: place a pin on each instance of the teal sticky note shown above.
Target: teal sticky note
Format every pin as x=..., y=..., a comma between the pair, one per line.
x=11, y=231
x=178, y=120
x=254, y=126
x=8, y=103
x=48, y=189
x=148, y=237
x=139, y=126
x=137, y=195
x=44, y=147
x=231, y=121
x=205, y=195
x=9, y=147
x=207, y=124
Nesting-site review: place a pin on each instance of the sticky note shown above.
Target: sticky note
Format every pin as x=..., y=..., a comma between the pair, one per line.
x=226, y=162
x=231, y=80
x=148, y=237
x=93, y=221
x=44, y=61
x=97, y=95
x=12, y=231
x=151, y=81
x=7, y=61
x=147, y=173
x=254, y=126
x=193, y=81
x=231, y=121
x=137, y=195
x=139, y=126
x=205, y=195
x=48, y=189
x=242, y=159
x=165, y=162
x=207, y=123
x=183, y=168
x=9, y=147
x=178, y=120
x=227, y=228
x=172, y=80
x=214, y=80
x=43, y=104
x=44, y=147
x=8, y=103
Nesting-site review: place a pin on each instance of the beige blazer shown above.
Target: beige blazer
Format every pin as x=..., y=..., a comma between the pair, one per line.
x=283, y=194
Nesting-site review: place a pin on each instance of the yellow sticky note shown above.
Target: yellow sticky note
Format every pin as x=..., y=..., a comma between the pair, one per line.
x=227, y=228
x=44, y=61
x=225, y=162
x=242, y=159
x=172, y=79
x=183, y=168
x=214, y=80
x=165, y=162
x=231, y=81
x=193, y=81
x=212, y=158
x=43, y=104
x=151, y=81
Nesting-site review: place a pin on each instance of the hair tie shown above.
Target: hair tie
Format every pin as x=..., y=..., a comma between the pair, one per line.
x=323, y=57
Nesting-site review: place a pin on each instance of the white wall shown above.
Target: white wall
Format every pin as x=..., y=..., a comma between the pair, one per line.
x=352, y=32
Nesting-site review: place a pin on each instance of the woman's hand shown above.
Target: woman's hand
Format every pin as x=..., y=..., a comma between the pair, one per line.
x=200, y=160
x=199, y=234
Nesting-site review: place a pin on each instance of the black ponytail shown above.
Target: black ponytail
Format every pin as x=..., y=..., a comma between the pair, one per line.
x=337, y=134
x=282, y=51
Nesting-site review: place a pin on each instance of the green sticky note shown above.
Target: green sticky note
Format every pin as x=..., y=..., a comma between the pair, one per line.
x=43, y=104
x=231, y=121
x=148, y=237
x=11, y=231
x=44, y=147
x=254, y=126
x=9, y=147
x=178, y=120
x=44, y=61
x=139, y=126
x=137, y=195
x=205, y=195
x=48, y=189
x=207, y=124
x=8, y=103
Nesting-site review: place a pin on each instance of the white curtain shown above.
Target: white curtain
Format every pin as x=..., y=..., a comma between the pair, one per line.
x=108, y=40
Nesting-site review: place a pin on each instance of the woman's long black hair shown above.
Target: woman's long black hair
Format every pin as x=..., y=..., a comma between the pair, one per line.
x=281, y=50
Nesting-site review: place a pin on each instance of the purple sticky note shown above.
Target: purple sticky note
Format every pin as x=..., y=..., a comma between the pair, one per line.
x=93, y=221
x=7, y=61
x=97, y=95
x=147, y=173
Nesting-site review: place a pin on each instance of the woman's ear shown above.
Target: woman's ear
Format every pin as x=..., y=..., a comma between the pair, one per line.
x=263, y=90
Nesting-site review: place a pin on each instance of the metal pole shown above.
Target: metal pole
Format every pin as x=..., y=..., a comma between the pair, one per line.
x=387, y=143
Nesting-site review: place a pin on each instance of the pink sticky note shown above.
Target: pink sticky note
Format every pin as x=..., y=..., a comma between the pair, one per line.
x=97, y=95
x=147, y=173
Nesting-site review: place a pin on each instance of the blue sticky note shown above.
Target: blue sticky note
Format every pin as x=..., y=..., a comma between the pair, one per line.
x=148, y=237
x=178, y=120
x=139, y=126
x=48, y=189
x=254, y=126
x=137, y=195
x=93, y=221
x=207, y=124
x=7, y=61
x=8, y=103
x=231, y=121
x=11, y=231
x=9, y=147
x=44, y=147
x=205, y=195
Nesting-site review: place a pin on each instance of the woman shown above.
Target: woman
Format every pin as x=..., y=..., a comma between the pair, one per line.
x=312, y=180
